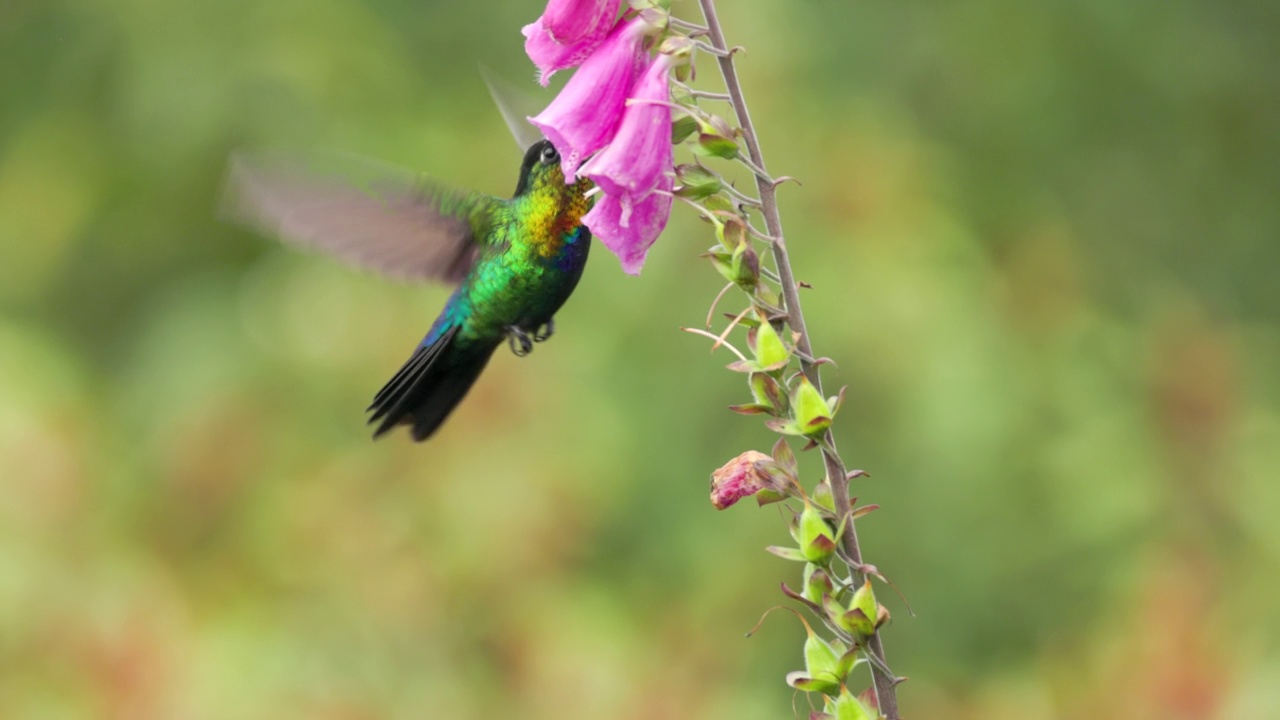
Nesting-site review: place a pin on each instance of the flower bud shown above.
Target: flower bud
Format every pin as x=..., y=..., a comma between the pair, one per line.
x=737, y=479
x=863, y=610
x=765, y=391
x=822, y=662
x=770, y=352
x=817, y=542
x=848, y=707
x=746, y=267
x=811, y=411
x=816, y=583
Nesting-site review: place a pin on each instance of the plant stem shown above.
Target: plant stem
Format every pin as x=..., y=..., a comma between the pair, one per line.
x=886, y=696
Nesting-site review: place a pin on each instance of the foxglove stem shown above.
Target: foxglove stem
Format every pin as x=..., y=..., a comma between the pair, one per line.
x=886, y=696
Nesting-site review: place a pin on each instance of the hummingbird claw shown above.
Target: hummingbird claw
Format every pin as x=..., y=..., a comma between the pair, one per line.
x=516, y=335
x=545, y=332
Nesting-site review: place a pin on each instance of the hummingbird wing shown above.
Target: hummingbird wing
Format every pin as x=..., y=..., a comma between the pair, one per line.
x=371, y=215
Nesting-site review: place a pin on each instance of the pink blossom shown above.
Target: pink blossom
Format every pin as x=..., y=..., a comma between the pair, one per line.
x=568, y=21
x=627, y=227
x=584, y=116
x=567, y=33
x=640, y=154
x=737, y=479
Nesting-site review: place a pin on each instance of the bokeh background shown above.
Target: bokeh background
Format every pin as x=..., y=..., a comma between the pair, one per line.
x=1043, y=244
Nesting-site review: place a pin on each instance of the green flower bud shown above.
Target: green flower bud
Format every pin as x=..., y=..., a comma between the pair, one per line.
x=816, y=583
x=817, y=542
x=848, y=707
x=811, y=411
x=764, y=390
x=863, y=610
x=822, y=661
x=746, y=267
x=770, y=351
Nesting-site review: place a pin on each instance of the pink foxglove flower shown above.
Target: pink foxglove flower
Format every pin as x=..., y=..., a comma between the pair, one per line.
x=568, y=21
x=584, y=116
x=640, y=154
x=576, y=29
x=737, y=479
x=629, y=228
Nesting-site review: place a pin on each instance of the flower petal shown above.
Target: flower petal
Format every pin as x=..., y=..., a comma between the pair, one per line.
x=551, y=56
x=584, y=116
x=640, y=154
x=628, y=227
x=568, y=21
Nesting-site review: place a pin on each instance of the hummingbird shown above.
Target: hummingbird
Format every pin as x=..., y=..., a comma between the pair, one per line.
x=514, y=261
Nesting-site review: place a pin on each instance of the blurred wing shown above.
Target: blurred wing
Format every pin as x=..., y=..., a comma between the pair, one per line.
x=371, y=215
x=516, y=106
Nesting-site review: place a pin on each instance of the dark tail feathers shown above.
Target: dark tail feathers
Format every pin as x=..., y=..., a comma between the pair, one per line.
x=429, y=386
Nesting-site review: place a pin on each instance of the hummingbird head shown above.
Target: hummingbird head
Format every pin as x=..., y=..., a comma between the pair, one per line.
x=547, y=195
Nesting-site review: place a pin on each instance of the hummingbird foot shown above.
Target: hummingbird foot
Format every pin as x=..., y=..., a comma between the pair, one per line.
x=545, y=332
x=519, y=341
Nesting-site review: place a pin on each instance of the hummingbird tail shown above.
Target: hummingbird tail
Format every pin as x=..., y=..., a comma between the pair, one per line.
x=429, y=385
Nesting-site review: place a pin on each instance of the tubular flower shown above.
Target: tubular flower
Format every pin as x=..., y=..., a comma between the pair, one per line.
x=585, y=114
x=629, y=228
x=567, y=33
x=640, y=154
x=737, y=479
x=568, y=21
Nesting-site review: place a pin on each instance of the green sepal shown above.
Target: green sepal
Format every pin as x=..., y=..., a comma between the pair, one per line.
x=848, y=661
x=780, y=425
x=801, y=680
x=770, y=352
x=774, y=475
x=784, y=456
x=696, y=182
x=714, y=145
x=681, y=128
x=812, y=414
x=751, y=409
x=768, y=497
x=847, y=707
x=823, y=497
x=766, y=391
x=816, y=583
x=864, y=604
x=816, y=540
x=786, y=553
x=820, y=659
x=719, y=204
x=746, y=266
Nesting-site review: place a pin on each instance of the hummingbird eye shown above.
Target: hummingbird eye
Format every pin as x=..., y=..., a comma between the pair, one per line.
x=549, y=155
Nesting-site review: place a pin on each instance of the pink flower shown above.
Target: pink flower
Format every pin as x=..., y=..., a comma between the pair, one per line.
x=568, y=21
x=737, y=479
x=628, y=228
x=640, y=154
x=583, y=117
x=567, y=33
x=634, y=173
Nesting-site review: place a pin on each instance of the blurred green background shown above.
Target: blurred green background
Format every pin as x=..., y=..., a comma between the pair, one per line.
x=1043, y=244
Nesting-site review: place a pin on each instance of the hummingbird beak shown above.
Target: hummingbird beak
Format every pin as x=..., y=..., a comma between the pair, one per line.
x=516, y=106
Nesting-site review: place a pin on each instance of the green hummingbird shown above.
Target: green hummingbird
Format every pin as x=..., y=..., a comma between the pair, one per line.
x=515, y=261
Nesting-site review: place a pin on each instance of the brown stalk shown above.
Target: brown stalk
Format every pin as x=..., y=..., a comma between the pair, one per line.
x=886, y=696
